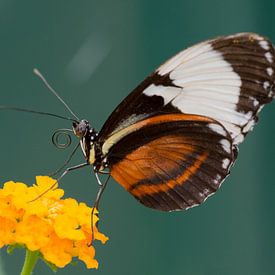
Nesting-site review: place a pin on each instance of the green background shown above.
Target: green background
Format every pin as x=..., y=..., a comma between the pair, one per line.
x=94, y=53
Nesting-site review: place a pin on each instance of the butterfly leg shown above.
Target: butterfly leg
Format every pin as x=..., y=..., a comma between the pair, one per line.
x=66, y=162
x=96, y=203
x=58, y=179
x=104, y=172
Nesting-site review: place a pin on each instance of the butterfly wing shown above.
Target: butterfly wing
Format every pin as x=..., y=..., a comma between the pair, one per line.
x=173, y=161
x=224, y=83
x=228, y=79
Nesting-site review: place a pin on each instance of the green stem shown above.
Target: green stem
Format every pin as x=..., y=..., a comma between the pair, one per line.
x=31, y=258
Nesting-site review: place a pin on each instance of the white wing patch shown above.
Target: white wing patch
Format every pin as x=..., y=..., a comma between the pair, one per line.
x=167, y=92
x=207, y=84
x=217, y=128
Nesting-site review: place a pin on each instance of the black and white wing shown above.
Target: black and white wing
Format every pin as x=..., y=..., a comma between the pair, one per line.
x=228, y=79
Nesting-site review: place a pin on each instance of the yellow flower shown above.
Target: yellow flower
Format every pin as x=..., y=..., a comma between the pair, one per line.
x=60, y=229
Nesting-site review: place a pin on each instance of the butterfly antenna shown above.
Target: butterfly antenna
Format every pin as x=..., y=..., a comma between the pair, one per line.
x=37, y=72
x=35, y=112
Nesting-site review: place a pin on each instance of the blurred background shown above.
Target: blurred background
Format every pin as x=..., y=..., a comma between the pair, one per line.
x=94, y=53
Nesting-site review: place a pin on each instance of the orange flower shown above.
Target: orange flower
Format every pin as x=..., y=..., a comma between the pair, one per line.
x=60, y=229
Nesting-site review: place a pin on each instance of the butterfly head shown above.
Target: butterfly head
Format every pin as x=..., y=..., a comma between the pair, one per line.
x=87, y=136
x=81, y=128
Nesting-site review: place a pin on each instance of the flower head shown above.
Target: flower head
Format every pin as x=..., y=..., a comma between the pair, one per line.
x=60, y=229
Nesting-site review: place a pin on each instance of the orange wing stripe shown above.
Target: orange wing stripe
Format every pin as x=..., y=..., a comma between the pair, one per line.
x=139, y=165
x=164, y=187
x=175, y=117
x=168, y=118
x=118, y=135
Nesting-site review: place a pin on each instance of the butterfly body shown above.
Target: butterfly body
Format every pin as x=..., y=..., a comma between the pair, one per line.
x=172, y=141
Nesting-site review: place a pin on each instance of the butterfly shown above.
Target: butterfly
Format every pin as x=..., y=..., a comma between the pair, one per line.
x=172, y=141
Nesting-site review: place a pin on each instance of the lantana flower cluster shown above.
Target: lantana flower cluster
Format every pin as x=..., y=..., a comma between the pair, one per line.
x=60, y=229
